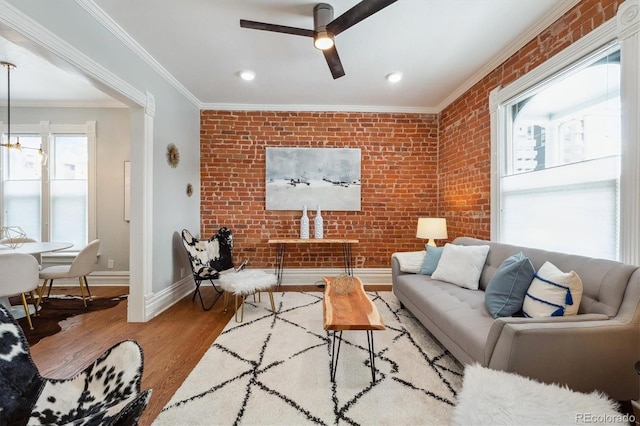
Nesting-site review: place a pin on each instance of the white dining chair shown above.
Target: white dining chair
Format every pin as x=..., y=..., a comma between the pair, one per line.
x=81, y=266
x=18, y=276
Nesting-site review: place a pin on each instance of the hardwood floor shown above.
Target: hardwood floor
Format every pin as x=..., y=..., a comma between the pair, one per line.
x=173, y=342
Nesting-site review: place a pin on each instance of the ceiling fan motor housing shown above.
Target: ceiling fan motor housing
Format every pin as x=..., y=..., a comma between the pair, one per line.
x=322, y=15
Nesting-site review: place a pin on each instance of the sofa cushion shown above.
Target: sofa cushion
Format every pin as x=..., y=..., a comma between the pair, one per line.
x=461, y=265
x=457, y=312
x=553, y=293
x=431, y=260
x=505, y=292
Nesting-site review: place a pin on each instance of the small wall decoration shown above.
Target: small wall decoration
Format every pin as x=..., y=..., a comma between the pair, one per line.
x=173, y=155
x=189, y=190
x=329, y=177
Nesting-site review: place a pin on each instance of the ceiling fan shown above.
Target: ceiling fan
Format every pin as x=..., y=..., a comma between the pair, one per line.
x=326, y=28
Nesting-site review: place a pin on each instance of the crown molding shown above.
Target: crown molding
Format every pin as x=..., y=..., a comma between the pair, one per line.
x=67, y=104
x=318, y=108
x=42, y=38
x=107, y=22
x=560, y=10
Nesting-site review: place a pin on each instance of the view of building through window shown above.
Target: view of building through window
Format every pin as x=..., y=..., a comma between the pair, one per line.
x=560, y=175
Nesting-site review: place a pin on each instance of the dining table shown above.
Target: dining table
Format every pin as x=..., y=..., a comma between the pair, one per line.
x=36, y=247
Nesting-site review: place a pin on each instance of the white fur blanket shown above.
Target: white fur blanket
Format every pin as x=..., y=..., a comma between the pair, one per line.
x=490, y=397
x=410, y=261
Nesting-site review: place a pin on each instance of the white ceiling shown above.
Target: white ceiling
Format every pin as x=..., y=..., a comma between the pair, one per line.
x=442, y=47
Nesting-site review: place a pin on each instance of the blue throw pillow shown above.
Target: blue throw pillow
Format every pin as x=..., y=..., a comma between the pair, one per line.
x=431, y=259
x=505, y=292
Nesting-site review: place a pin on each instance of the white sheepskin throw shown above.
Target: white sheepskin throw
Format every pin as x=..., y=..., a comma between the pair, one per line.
x=490, y=397
x=247, y=281
x=410, y=261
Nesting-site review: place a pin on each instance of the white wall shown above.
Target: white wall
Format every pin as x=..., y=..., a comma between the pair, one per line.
x=65, y=33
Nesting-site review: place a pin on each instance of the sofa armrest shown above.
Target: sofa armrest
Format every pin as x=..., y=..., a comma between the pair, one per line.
x=585, y=352
x=499, y=324
x=395, y=269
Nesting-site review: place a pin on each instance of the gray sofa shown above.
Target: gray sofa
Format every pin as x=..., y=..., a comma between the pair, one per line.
x=595, y=350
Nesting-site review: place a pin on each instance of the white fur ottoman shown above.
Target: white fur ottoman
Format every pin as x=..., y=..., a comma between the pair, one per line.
x=490, y=397
x=246, y=282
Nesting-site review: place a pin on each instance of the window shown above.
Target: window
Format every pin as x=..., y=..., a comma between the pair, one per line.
x=22, y=186
x=50, y=197
x=560, y=171
x=68, y=193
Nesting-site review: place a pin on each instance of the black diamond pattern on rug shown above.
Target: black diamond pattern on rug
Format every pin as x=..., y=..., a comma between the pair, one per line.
x=275, y=369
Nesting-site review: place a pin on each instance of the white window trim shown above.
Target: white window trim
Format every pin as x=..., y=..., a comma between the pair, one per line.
x=45, y=129
x=625, y=30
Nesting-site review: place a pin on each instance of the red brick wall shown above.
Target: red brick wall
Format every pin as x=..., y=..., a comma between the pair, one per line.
x=399, y=181
x=465, y=139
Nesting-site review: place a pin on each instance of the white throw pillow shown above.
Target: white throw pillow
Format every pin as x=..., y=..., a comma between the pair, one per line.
x=410, y=261
x=461, y=265
x=553, y=293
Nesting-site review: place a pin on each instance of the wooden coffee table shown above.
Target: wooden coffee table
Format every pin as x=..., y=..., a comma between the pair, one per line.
x=352, y=311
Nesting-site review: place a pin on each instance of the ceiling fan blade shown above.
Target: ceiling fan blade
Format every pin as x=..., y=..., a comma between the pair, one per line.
x=276, y=28
x=333, y=60
x=357, y=13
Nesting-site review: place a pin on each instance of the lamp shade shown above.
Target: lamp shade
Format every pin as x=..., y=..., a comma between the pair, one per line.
x=432, y=228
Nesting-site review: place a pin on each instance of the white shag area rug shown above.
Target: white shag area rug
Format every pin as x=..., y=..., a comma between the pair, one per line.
x=274, y=369
x=490, y=397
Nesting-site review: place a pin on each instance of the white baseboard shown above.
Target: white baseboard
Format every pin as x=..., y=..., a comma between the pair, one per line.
x=159, y=302
x=306, y=276
x=107, y=278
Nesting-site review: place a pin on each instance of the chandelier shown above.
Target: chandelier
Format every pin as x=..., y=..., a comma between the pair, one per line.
x=43, y=156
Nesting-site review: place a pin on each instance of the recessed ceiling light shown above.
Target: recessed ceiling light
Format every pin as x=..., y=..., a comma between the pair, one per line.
x=394, y=77
x=247, y=75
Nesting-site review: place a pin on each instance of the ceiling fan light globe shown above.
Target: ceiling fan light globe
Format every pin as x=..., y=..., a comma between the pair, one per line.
x=323, y=41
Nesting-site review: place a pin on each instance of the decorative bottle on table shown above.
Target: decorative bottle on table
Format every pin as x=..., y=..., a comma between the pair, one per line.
x=304, y=224
x=318, y=225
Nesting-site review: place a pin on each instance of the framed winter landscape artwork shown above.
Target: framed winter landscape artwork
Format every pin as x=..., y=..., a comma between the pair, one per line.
x=328, y=177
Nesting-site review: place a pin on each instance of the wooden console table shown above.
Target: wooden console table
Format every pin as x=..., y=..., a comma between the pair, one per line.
x=281, y=244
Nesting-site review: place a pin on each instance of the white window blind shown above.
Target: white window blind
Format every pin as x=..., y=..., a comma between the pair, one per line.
x=570, y=209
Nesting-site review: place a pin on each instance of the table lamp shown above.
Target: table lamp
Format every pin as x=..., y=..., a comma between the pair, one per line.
x=432, y=228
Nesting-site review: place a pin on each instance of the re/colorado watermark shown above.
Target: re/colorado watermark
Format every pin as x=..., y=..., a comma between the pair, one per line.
x=605, y=418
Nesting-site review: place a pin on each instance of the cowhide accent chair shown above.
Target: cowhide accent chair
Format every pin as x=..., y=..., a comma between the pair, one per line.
x=208, y=258
x=106, y=392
